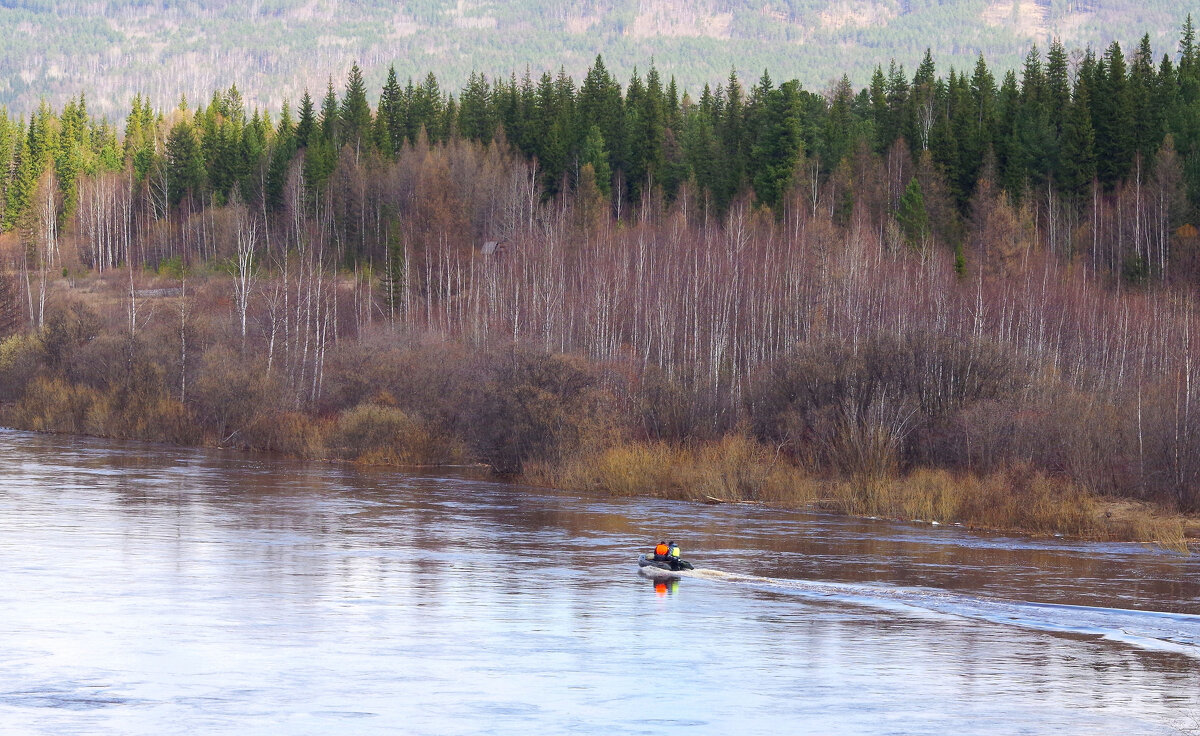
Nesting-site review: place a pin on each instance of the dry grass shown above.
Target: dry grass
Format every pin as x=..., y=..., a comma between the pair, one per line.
x=54, y=405
x=735, y=469
x=289, y=432
x=385, y=435
x=1017, y=498
x=931, y=495
x=1141, y=522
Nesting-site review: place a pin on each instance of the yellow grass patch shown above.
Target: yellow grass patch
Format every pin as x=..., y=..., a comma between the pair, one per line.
x=735, y=469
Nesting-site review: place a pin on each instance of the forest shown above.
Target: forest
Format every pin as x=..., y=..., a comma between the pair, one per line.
x=962, y=296
x=51, y=49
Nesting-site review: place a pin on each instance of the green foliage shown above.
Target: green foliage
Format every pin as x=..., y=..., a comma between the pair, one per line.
x=307, y=121
x=19, y=188
x=354, y=115
x=1031, y=133
x=185, y=163
x=10, y=306
x=778, y=147
x=595, y=153
x=913, y=219
x=1112, y=117
x=173, y=267
x=1077, y=163
x=390, y=126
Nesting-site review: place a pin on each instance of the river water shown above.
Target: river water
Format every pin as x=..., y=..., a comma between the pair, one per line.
x=150, y=590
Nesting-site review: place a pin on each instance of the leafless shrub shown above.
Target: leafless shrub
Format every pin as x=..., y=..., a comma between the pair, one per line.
x=535, y=405
x=387, y=435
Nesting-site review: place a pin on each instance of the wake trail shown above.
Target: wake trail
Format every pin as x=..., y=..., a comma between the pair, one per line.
x=1150, y=630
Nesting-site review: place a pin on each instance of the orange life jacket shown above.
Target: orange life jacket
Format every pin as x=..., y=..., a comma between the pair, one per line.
x=661, y=550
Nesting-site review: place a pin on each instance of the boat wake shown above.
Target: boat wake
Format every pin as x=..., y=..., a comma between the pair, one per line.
x=1150, y=630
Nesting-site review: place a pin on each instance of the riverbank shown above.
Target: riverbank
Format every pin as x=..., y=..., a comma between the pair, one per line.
x=738, y=470
x=918, y=427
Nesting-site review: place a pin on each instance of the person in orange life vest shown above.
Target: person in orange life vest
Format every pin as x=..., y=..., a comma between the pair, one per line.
x=661, y=551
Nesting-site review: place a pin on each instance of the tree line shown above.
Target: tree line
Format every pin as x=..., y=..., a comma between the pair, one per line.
x=1060, y=133
x=821, y=276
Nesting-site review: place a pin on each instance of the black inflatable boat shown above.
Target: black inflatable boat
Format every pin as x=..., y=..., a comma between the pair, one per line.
x=661, y=568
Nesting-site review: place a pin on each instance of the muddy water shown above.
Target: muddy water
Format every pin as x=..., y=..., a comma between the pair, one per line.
x=148, y=590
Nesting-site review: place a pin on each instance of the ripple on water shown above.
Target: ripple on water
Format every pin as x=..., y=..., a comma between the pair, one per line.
x=150, y=591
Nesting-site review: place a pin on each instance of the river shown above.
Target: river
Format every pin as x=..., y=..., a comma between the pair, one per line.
x=156, y=590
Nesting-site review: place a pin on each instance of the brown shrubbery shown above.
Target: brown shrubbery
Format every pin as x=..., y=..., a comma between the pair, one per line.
x=54, y=405
x=791, y=356
x=854, y=431
x=894, y=401
x=386, y=435
x=536, y=406
x=21, y=357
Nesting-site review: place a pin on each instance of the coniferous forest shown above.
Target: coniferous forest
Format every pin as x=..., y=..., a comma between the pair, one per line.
x=957, y=294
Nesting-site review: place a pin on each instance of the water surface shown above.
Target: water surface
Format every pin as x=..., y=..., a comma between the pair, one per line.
x=149, y=590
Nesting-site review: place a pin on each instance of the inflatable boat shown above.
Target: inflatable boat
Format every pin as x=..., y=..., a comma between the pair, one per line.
x=651, y=567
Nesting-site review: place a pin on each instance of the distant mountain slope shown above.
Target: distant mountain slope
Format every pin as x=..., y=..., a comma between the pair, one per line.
x=274, y=48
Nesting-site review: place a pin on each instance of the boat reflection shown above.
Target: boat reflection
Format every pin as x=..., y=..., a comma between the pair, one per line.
x=663, y=588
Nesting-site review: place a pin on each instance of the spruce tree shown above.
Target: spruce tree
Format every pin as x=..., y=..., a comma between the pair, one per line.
x=475, y=115
x=321, y=154
x=8, y=144
x=525, y=134
x=1058, y=85
x=778, y=148
x=283, y=150
x=1189, y=63
x=897, y=104
x=701, y=149
x=1112, y=117
x=10, y=306
x=354, y=116
x=307, y=122
x=646, y=124
x=185, y=164
x=912, y=217
x=879, y=110
x=390, y=123
x=1077, y=166
x=426, y=110
x=839, y=125
x=922, y=109
x=600, y=103
x=1034, y=148
x=329, y=121
x=1006, y=143
x=595, y=153
x=1147, y=118
x=943, y=143
x=21, y=186
x=733, y=134
x=673, y=105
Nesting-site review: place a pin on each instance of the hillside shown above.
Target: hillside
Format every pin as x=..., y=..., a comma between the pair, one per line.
x=54, y=49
